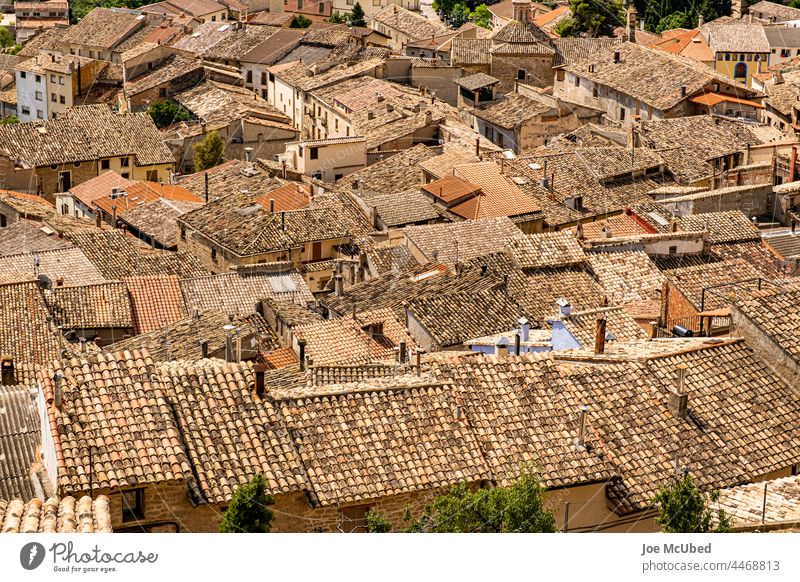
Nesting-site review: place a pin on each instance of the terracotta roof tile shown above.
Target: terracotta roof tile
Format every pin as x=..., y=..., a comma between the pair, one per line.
x=552, y=249
x=105, y=305
x=56, y=515
x=155, y=301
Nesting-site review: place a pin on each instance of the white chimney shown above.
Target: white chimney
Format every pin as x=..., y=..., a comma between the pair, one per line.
x=564, y=307
x=524, y=328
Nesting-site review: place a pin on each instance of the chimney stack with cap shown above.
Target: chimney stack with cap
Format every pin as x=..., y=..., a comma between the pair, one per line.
x=580, y=442
x=679, y=398
x=338, y=285
x=501, y=348
x=301, y=346
x=600, y=334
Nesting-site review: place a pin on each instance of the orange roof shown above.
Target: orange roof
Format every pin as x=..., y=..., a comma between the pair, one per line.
x=451, y=188
x=543, y=19
x=24, y=196
x=138, y=193
x=280, y=358
x=96, y=188
x=687, y=43
x=289, y=197
x=500, y=196
x=711, y=99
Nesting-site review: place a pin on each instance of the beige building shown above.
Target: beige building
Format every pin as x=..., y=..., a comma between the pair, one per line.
x=403, y=26
x=326, y=159
x=49, y=84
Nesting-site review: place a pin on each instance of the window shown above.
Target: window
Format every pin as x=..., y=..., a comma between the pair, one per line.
x=213, y=19
x=125, y=162
x=299, y=4
x=577, y=81
x=673, y=250
x=64, y=181
x=321, y=7
x=39, y=114
x=105, y=164
x=152, y=175
x=38, y=95
x=77, y=164
x=52, y=78
x=313, y=153
x=264, y=94
x=162, y=92
x=132, y=505
x=23, y=75
x=740, y=71
x=38, y=78
x=520, y=74
x=183, y=234
x=594, y=90
x=263, y=78
x=727, y=56
x=125, y=175
x=62, y=99
x=214, y=255
x=250, y=77
x=53, y=97
x=91, y=54
x=65, y=209
x=26, y=110
x=60, y=80
x=622, y=114
x=785, y=53
x=500, y=139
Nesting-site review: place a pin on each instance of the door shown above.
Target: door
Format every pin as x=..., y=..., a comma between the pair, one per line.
x=64, y=181
x=316, y=251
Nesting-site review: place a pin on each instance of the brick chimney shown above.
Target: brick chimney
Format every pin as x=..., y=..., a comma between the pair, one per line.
x=631, y=24
x=501, y=348
x=521, y=9
x=600, y=334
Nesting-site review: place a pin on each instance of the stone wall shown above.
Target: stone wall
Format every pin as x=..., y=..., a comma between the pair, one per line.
x=781, y=361
x=538, y=70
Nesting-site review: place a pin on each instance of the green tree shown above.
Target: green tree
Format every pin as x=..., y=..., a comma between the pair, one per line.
x=6, y=38
x=357, y=16
x=683, y=509
x=376, y=523
x=248, y=511
x=482, y=16
x=516, y=508
x=10, y=120
x=592, y=18
x=300, y=21
x=460, y=15
x=167, y=112
x=794, y=4
x=675, y=20
x=208, y=153
x=337, y=18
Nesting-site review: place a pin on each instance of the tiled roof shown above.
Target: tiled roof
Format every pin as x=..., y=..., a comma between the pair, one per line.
x=521, y=410
x=205, y=36
x=775, y=9
x=691, y=281
x=103, y=28
x=409, y=207
x=649, y=75
x=776, y=314
x=240, y=223
x=511, y=110
x=105, y=305
x=55, y=515
x=723, y=227
x=238, y=293
x=239, y=43
x=228, y=178
x=582, y=326
x=409, y=23
x=572, y=49
x=24, y=328
x=25, y=236
x=398, y=441
x=736, y=37
x=83, y=134
x=96, y=188
x=157, y=219
x=515, y=31
x=181, y=339
x=451, y=319
x=47, y=40
x=341, y=341
x=545, y=286
x=291, y=313
x=69, y=265
x=280, y=358
x=499, y=196
x=745, y=505
x=470, y=51
x=618, y=225
x=172, y=68
x=627, y=276
x=395, y=174
x=155, y=301
x=386, y=259
x=20, y=439
x=250, y=436
x=28, y=205
x=460, y=241
x=117, y=256
x=116, y=404
x=476, y=81
x=551, y=249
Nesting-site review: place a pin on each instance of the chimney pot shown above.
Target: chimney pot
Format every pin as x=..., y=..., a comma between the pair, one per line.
x=338, y=286
x=501, y=348
x=301, y=346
